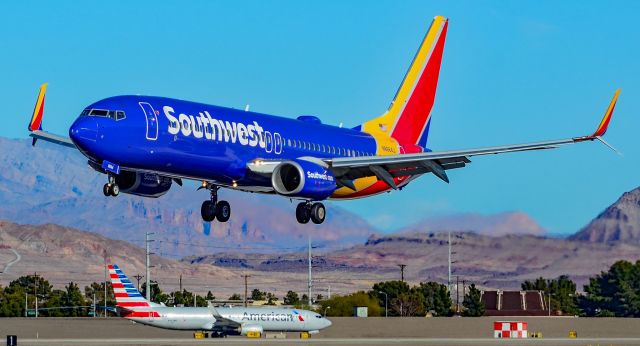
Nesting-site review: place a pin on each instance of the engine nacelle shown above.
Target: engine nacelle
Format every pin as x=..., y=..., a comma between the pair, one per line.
x=303, y=179
x=251, y=330
x=143, y=184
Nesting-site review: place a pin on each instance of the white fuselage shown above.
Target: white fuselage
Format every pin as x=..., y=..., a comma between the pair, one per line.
x=232, y=318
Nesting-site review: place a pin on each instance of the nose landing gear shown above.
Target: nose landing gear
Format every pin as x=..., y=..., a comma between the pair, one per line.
x=214, y=209
x=315, y=212
x=111, y=188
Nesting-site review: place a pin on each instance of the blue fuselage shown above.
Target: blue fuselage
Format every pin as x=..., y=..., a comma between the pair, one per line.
x=204, y=142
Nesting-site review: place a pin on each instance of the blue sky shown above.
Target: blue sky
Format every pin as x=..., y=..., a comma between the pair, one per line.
x=513, y=71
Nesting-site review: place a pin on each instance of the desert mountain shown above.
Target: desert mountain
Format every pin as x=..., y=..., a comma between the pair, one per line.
x=63, y=254
x=620, y=222
x=496, y=262
x=496, y=225
x=52, y=184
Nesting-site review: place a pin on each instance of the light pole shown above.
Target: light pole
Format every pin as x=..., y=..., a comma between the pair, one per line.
x=325, y=310
x=386, y=299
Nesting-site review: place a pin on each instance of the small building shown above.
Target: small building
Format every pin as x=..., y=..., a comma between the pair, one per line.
x=514, y=303
x=361, y=311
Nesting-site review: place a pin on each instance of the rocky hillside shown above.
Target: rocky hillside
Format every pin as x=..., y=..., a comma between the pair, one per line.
x=64, y=254
x=496, y=262
x=620, y=222
x=496, y=225
x=52, y=184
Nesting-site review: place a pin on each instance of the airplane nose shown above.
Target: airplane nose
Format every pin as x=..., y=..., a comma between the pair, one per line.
x=327, y=323
x=84, y=131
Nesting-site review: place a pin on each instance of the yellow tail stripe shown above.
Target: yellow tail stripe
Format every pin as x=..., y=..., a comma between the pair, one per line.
x=383, y=125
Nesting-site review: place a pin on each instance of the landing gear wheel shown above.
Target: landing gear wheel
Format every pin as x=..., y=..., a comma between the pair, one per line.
x=303, y=213
x=208, y=211
x=223, y=211
x=111, y=189
x=115, y=190
x=318, y=213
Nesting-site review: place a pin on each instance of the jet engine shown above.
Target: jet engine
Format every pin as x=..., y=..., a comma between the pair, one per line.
x=252, y=330
x=303, y=179
x=143, y=184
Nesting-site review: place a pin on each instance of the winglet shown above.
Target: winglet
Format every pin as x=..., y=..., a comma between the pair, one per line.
x=38, y=110
x=604, y=124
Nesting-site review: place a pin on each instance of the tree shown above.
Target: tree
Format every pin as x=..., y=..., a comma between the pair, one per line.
x=393, y=289
x=271, y=299
x=436, y=298
x=291, y=298
x=256, y=294
x=12, y=301
x=344, y=305
x=235, y=296
x=472, y=303
x=210, y=296
x=98, y=289
x=184, y=298
x=614, y=293
x=562, y=291
x=157, y=296
x=540, y=284
x=408, y=303
x=73, y=297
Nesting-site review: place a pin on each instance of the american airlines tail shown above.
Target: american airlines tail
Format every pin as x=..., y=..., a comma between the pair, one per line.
x=129, y=301
x=408, y=118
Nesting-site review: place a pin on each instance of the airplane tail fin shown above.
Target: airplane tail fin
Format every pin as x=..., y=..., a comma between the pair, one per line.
x=127, y=295
x=38, y=110
x=408, y=118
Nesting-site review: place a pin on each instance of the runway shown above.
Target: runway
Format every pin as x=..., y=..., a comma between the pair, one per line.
x=336, y=341
x=344, y=331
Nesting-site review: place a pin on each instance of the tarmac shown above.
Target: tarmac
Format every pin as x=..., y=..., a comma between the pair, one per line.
x=344, y=331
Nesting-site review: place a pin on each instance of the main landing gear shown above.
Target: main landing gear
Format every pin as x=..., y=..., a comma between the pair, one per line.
x=111, y=188
x=315, y=212
x=214, y=209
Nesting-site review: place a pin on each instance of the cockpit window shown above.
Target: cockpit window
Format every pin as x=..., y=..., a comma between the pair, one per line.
x=318, y=316
x=99, y=113
x=115, y=115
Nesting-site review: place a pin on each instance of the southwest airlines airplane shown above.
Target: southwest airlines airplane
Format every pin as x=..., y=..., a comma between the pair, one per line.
x=144, y=144
x=222, y=320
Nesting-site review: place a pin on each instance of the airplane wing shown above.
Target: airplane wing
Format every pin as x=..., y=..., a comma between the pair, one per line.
x=35, y=126
x=388, y=167
x=220, y=320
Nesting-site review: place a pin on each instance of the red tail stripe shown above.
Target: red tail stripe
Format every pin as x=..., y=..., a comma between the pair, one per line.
x=117, y=285
x=417, y=111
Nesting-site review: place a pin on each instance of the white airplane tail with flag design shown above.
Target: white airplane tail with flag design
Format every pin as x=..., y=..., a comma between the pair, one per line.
x=129, y=301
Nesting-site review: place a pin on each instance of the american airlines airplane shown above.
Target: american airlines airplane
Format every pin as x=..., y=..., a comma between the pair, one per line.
x=145, y=143
x=221, y=320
